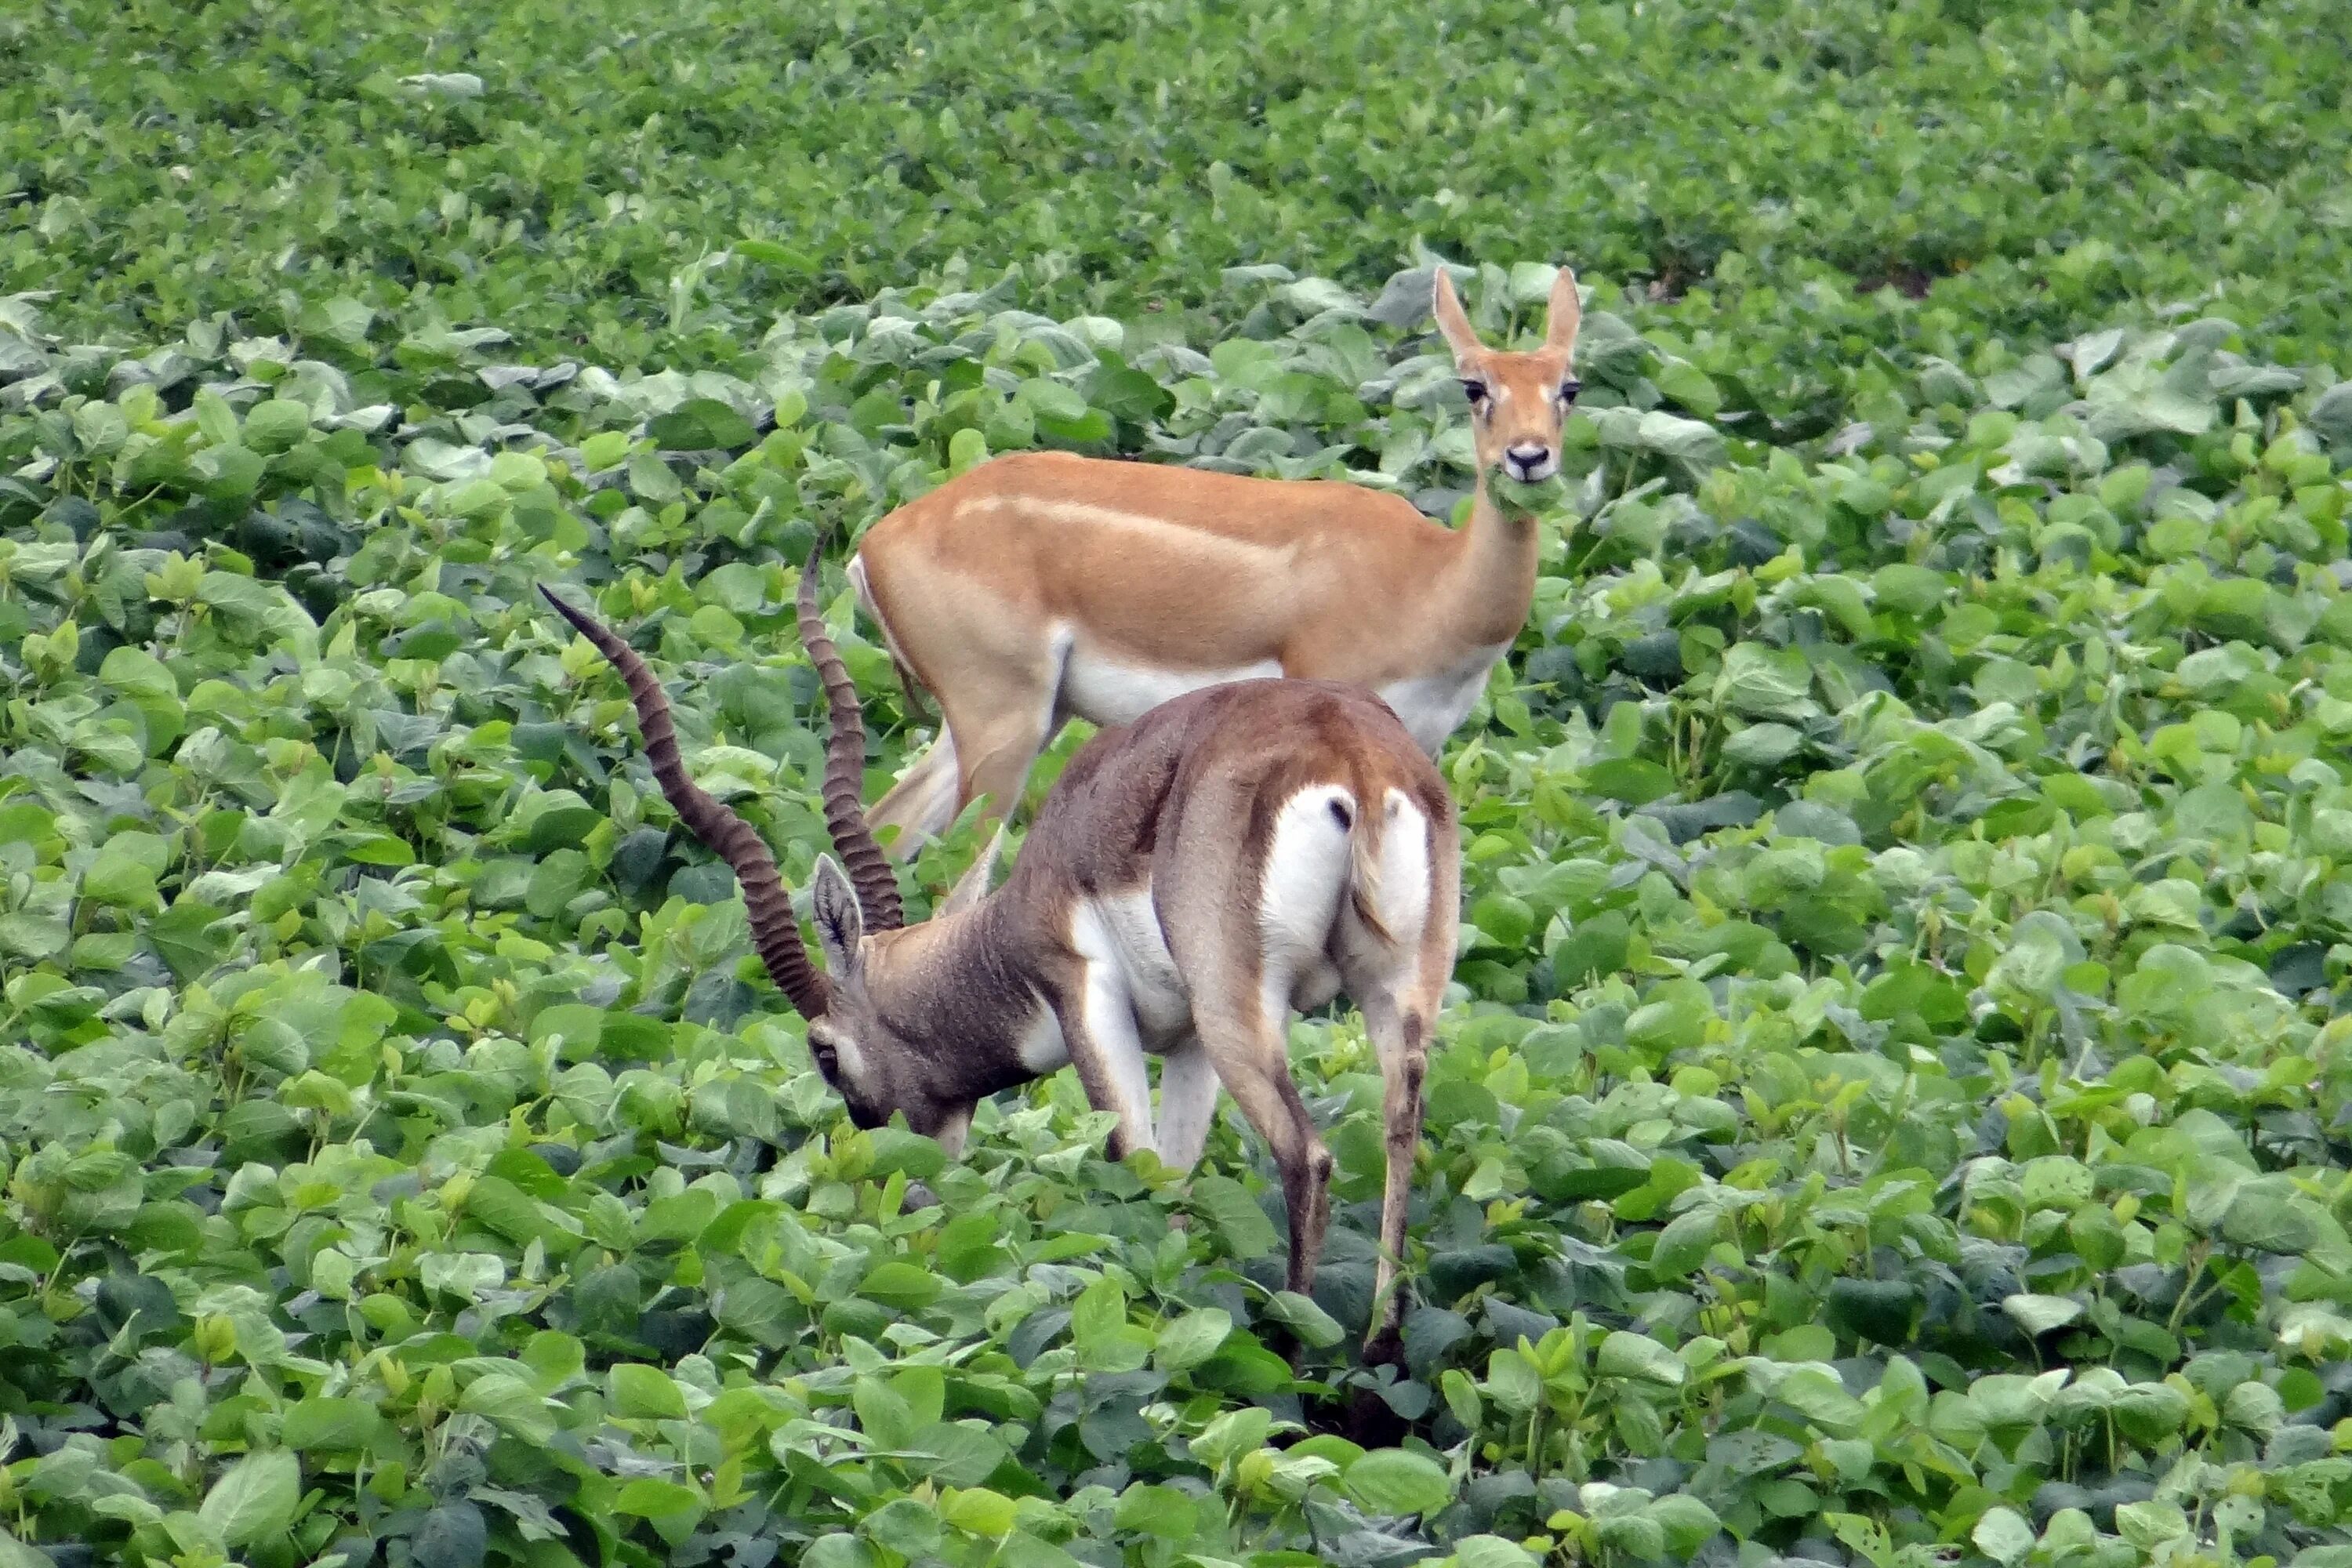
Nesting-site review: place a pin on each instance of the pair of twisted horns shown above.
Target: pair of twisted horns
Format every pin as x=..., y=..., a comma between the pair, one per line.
x=774, y=931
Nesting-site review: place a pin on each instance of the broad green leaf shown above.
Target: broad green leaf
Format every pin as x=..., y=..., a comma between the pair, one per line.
x=453, y=1535
x=513, y=1402
x=1397, y=1481
x=253, y=1498
x=2040, y=1314
x=901, y=1285
x=1224, y=1204
x=645, y=1394
x=1192, y=1338
x=1640, y=1358
x=323, y=1423
x=1299, y=1313
x=2003, y=1536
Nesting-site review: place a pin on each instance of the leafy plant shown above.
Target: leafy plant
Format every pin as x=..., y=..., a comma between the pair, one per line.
x=1891, y=1110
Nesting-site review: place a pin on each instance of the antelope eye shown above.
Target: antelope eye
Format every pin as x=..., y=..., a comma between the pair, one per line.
x=1475, y=390
x=1568, y=391
x=826, y=1058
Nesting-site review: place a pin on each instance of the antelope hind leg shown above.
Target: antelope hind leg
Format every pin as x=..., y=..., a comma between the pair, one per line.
x=1401, y=1036
x=1252, y=1059
x=923, y=803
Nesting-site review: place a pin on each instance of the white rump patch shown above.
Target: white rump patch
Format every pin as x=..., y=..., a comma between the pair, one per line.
x=1305, y=876
x=1403, y=899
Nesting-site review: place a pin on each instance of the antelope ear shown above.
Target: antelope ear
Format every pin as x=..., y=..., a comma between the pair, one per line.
x=1452, y=322
x=840, y=927
x=1567, y=312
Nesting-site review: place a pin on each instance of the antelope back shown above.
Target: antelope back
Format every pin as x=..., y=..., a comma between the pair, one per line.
x=1189, y=798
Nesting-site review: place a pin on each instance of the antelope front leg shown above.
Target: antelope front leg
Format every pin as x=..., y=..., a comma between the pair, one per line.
x=1099, y=1030
x=1188, y=1105
x=999, y=730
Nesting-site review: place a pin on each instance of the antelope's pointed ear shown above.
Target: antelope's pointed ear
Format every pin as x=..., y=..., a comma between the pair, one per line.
x=1451, y=321
x=1567, y=312
x=840, y=927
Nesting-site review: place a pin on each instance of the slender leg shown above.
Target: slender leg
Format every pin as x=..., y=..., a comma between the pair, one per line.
x=1188, y=1104
x=1400, y=1036
x=922, y=803
x=996, y=681
x=1098, y=1027
x=1249, y=1052
x=998, y=766
x=999, y=732
x=1398, y=981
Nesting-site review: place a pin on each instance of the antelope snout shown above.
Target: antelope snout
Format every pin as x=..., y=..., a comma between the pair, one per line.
x=1529, y=461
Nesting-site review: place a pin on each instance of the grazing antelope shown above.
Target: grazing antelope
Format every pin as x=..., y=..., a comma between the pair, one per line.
x=1043, y=585
x=1234, y=854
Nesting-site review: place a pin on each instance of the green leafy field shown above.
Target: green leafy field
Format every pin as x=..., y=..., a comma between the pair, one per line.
x=1891, y=1111
x=635, y=183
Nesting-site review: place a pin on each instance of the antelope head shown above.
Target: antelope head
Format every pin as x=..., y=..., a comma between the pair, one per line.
x=873, y=1065
x=1518, y=401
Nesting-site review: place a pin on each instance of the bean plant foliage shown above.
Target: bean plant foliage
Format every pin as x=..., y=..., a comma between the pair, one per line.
x=1810, y=186
x=1890, y=1112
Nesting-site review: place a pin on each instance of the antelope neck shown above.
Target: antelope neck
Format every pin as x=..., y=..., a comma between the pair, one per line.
x=1492, y=580
x=964, y=989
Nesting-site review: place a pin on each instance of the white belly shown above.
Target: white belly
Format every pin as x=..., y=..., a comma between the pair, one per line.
x=1121, y=934
x=1431, y=705
x=1103, y=690
x=1043, y=1049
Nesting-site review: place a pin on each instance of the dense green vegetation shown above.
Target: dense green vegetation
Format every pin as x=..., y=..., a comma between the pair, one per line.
x=1892, y=1108
x=633, y=182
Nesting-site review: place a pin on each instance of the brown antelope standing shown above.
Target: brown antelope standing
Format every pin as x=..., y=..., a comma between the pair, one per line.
x=1192, y=878
x=1043, y=585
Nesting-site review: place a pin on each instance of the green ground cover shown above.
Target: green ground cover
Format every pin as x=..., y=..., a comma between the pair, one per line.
x=1893, y=1107
x=566, y=172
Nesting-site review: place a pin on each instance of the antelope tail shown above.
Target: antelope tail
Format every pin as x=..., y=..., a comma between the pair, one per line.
x=1364, y=841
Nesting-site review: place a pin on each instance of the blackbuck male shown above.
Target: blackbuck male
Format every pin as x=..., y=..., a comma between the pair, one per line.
x=1042, y=585
x=1232, y=855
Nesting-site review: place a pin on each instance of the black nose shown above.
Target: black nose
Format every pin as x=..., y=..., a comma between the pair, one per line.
x=1528, y=455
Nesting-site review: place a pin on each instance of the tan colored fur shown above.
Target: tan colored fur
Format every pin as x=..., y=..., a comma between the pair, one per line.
x=997, y=589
